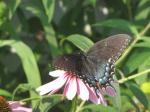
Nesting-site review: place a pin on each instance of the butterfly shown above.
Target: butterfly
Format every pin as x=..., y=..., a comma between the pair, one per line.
x=96, y=67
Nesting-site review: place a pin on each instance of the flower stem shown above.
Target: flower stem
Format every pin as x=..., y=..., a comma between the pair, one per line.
x=80, y=106
x=145, y=29
x=74, y=104
x=29, y=99
x=134, y=76
x=34, y=98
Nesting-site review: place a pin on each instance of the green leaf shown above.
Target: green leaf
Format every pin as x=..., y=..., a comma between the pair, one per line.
x=128, y=102
x=5, y=93
x=135, y=59
x=80, y=41
x=3, y=9
x=145, y=43
x=23, y=88
x=49, y=31
x=142, y=44
x=51, y=38
x=34, y=10
x=28, y=61
x=143, y=14
x=46, y=103
x=117, y=99
x=92, y=2
x=144, y=66
x=146, y=87
x=98, y=108
x=49, y=8
x=146, y=39
x=13, y=6
x=143, y=10
x=139, y=94
x=119, y=24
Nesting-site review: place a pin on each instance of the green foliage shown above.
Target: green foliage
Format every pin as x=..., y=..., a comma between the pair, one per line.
x=13, y=5
x=139, y=94
x=3, y=10
x=49, y=8
x=120, y=24
x=34, y=32
x=100, y=108
x=46, y=103
x=5, y=93
x=28, y=61
x=82, y=42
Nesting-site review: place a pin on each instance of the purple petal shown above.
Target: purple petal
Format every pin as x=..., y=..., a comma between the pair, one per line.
x=96, y=99
x=101, y=99
x=53, y=91
x=110, y=91
x=17, y=107
x=71, y=88
x=66, y=86
x=57, y=73
x=92, y=96
x=82, y=90
x=52, y=86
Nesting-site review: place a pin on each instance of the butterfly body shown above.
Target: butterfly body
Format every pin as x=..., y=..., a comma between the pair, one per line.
x=96, y=67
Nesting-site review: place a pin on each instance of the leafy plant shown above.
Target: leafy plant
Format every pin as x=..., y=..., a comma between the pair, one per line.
x=36, y=31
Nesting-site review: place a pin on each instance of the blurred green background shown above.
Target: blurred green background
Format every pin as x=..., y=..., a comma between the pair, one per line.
x=33, y=32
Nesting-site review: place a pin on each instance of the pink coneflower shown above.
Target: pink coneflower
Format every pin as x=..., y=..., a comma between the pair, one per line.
x=73, y=86
x=12, y=106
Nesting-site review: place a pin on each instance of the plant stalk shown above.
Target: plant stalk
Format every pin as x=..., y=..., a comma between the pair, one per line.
x=134, y=76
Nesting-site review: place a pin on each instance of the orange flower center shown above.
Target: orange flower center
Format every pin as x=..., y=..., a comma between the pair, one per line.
x=4, y=106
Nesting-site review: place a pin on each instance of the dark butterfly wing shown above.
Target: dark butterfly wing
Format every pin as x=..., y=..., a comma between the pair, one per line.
x=104, y=54
x=70, y=62
x=111, y=47
x=77, y=64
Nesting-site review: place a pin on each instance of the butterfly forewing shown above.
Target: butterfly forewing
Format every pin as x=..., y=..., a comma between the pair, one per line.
x=70, y=62
x=111, y=47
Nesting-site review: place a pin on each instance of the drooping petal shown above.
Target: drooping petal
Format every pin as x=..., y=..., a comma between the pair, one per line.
x=101, y=99
x=22, y=109
x=14, y=104
x=57, y=73
x=71, y=88
x=82, y=90
x=17, y=107
x=92, y=96
x=54, y=85
x=110, y=91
